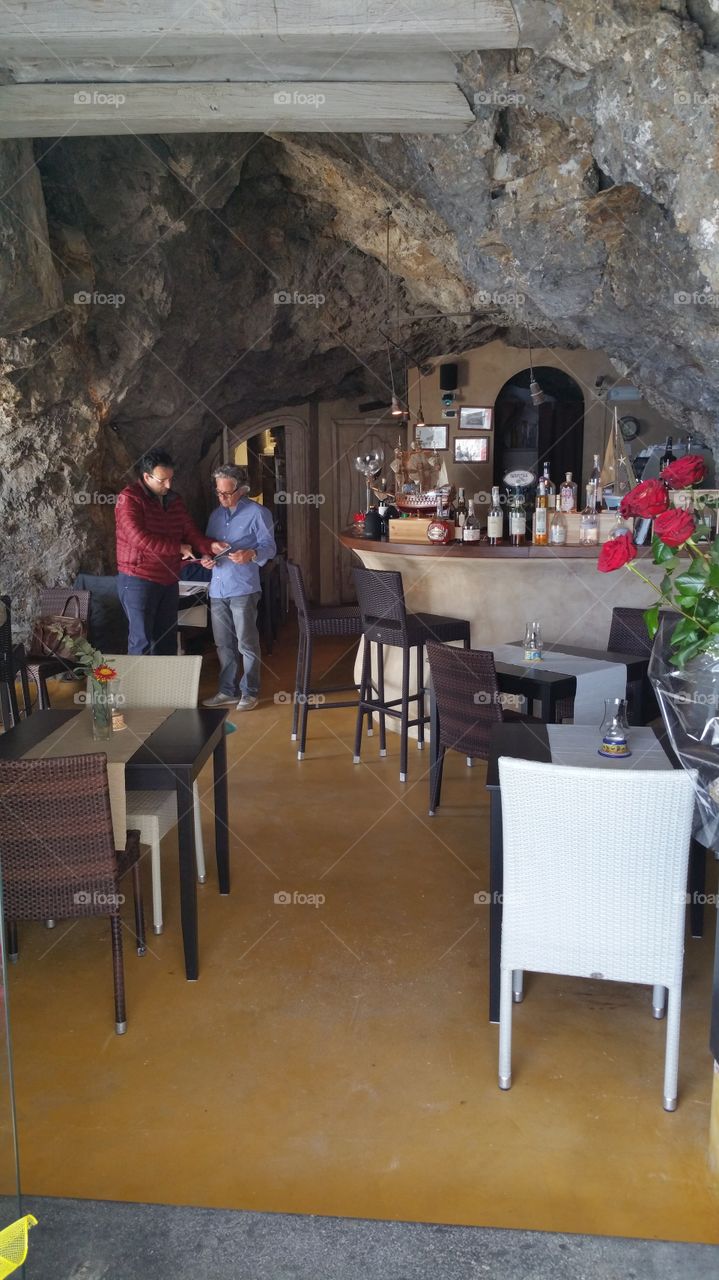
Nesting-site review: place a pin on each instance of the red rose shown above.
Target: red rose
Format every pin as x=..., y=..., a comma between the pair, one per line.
x=674, y=527
x=684, y=471
x=647, y=499
x=615, y=553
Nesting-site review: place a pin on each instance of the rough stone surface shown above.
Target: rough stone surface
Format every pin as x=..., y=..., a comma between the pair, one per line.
x=584, y=199
x=29, y=284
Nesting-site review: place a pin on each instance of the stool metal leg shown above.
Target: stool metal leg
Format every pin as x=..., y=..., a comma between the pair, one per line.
x=380, y=695
x=298, y=680
x=364, y=695
x=404, y=731
x=304, y=707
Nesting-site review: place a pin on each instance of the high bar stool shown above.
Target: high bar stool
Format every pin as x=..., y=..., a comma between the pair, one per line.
x=385, y=621
x=332, y=620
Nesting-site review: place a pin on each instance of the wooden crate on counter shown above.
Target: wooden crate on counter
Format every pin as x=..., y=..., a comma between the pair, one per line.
x=606, y=522
x=413, y=529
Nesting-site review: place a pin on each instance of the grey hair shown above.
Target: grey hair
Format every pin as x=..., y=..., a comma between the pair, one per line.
x=228, y=471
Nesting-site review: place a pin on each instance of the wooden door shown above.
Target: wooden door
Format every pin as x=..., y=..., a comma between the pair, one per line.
x=350, y=438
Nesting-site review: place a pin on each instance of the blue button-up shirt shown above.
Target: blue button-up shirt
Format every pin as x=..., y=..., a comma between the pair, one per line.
x=247, y=527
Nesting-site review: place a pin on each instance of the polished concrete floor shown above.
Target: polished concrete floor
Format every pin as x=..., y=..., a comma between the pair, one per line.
x=335, y=1056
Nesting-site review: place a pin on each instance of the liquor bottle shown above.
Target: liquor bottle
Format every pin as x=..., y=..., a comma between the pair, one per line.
x=517, y=520
x=495, y=520
x=667, y=456
x=558, y=529
x=594, y=486
x=471, y=531
x=589, y=526
x=440, y=529
x=541, y=515
x=568, y=494
x=550, y=487
x=461, y=511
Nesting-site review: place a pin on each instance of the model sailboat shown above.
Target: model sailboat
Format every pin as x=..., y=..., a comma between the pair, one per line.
x=617, y=471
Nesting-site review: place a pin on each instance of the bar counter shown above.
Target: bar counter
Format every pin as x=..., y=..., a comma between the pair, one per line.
x=499, y=589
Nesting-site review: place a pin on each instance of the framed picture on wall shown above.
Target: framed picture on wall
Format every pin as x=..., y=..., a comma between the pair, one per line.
x=475, y=419
x=471, y=449
x=432, y=437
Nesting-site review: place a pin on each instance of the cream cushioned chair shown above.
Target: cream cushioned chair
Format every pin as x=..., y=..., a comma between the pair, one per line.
x=150, y=681
x=609, y=904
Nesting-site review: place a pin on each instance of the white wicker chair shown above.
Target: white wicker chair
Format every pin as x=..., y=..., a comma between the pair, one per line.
x=609, y=905
x=150, y=681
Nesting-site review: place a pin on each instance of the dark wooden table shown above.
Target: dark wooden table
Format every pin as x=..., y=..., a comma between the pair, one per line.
x=531, y=742
x=535, y=682
x=169, y=760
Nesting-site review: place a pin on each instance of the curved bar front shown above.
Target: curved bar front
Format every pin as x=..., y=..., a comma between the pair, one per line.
x=499, y=589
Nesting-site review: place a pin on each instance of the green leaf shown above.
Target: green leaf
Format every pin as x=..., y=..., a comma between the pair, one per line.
x=665, y=585
x=714, y=577
x=684, y=655
x=694, y=580
x=684, y=630
x=651, y=618
x=661, y=553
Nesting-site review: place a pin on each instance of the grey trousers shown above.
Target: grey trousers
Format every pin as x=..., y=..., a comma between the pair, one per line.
x=234, y=627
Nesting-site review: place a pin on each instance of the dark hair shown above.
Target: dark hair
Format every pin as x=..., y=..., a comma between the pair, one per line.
x=153, y=458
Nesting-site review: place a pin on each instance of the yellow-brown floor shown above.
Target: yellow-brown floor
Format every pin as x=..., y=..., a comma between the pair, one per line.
x=337, y=1058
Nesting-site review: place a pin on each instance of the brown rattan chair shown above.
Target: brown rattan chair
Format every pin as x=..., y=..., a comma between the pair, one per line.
x=60, y=601
x=332, y=620
x=468, y=702
x=57, y=852
x=385, y=621
x=12, y=665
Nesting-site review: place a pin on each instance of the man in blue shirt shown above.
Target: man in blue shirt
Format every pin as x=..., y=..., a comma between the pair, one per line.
x=235, y=585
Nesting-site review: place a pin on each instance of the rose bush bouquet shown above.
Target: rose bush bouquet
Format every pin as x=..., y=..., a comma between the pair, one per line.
x=694, y=592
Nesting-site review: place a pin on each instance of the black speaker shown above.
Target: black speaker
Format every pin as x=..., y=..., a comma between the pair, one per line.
x=448, y=377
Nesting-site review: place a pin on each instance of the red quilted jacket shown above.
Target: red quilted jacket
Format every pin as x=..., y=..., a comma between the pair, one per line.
x=148, y=534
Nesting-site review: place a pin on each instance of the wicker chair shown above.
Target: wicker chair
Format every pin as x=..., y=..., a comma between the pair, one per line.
x=594, y=908
x=12, y=665
x=468, y=705
x=149, y=680
x=56, y=600
x=385, y=621
x=58, y=852
x=313, y=623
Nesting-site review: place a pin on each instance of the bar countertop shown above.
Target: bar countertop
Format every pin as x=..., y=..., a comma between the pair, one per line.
x=480, y=551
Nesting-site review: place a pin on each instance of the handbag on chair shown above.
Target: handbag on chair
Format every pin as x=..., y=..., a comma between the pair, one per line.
x=53, y=634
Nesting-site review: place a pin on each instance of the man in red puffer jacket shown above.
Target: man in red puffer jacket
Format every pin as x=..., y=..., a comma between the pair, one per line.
x=154, y=535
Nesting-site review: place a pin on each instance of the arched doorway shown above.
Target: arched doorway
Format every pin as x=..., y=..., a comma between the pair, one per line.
x=527, y=436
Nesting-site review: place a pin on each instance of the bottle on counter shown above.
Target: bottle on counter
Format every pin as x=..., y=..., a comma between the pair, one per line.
x=461, y=510
x=541, y=515
x=550, y=487
x=594, y=486
x=668, y=455
x=440, y=528
x=589, y=526
x=568, y=494
x=517, y=519
x=558, y=529
x=495, y=520
x=471, y=530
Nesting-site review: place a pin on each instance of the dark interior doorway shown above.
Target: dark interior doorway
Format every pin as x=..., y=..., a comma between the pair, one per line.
x=527, y=436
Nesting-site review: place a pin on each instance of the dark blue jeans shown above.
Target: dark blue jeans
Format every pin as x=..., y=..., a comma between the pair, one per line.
x=151, y=610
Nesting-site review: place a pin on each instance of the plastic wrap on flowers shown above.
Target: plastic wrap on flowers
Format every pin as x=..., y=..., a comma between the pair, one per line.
x=689, y=703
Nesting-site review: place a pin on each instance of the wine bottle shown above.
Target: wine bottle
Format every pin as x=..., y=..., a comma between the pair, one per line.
x=541, y=515
x=517, y=520
x=594, y=486
x=495, y=520
x=550, y=487
x=568, y=494
x=461, y=510
x=558, y=529
x=471, y=530
x=668, y=456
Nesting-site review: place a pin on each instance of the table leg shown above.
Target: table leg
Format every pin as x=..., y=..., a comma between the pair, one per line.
x=496, y=881
x=188, y=874
x=548, y=704
x=222, y=835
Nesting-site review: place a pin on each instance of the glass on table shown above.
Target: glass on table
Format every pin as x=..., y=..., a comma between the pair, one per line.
x=614, y=729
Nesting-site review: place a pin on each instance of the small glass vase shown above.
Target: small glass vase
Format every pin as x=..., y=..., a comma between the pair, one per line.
x=103, y=702
x=615, y=730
